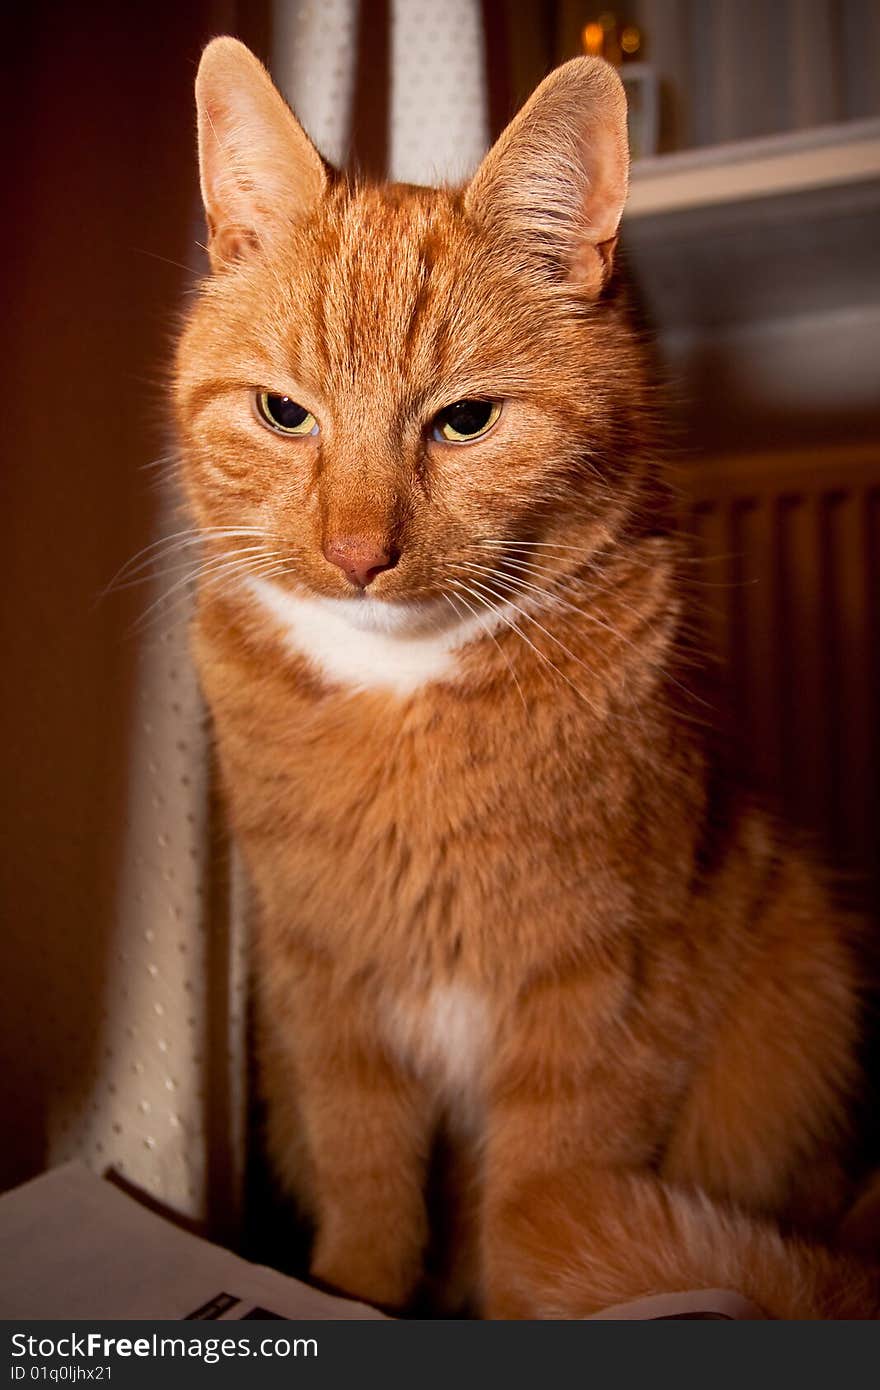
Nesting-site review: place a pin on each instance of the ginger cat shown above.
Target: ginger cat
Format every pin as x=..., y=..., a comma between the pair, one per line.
x=440, y=632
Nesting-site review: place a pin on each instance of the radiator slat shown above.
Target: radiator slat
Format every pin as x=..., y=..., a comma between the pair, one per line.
x=789, y=597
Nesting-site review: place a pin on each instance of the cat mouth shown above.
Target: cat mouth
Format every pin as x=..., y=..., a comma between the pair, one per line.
x=394, y=617
x=360, y=611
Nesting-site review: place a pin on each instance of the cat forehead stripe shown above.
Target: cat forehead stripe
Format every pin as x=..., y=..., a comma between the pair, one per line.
x=385, y=654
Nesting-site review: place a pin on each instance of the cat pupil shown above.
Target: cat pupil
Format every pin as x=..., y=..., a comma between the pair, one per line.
x=285, y=412
x=468, y=417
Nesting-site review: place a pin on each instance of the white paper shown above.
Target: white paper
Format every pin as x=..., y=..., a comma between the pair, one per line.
x=75, y=1247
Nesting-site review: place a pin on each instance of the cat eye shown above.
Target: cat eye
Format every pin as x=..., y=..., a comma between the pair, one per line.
x=282, y=414
x=465, y=420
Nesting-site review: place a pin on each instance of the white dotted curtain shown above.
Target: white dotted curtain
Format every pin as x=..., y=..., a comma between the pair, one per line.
x=439, y=124
x=146, y=1088
x=314, y=59
x=439, y=106
x=169, y=1054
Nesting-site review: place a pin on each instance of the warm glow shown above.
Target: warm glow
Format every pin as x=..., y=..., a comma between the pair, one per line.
x=630, y=39
x=593, y=39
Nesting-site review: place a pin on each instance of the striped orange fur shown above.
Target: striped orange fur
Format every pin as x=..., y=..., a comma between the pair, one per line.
x=500, y=896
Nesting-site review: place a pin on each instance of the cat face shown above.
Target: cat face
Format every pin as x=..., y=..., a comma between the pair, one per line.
x=389, y=385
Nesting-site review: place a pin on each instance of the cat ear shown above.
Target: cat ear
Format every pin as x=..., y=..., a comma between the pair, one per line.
x=259, y=171
x=554, y=184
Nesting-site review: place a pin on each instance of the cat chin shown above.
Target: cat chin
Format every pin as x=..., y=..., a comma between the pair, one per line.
x=397, y=618
x=370, y=643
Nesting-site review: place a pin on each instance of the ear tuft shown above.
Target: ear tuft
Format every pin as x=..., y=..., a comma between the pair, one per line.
x=259, y=171
x=554, y=184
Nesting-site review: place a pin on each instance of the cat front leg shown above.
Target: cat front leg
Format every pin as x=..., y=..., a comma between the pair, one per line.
x=350, y=1131
x=571, y=1083
x=368, y=1144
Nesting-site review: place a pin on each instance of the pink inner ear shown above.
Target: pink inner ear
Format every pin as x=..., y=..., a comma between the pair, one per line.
x=607, y=166
x=233, y=243
x=591, y=265
x=258, y=167
x=215, y=159
x=216, y=115
x=557, y=176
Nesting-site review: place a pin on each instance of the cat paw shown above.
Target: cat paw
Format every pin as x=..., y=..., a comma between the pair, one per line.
x=356, y=1272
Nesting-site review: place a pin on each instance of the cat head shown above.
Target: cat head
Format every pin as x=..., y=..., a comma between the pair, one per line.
x=390, y=384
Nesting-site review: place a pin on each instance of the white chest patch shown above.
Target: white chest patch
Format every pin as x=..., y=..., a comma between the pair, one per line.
x=370, y=645
x=445, y=1040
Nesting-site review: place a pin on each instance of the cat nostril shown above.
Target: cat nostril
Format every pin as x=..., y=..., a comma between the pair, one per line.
x=360, y=560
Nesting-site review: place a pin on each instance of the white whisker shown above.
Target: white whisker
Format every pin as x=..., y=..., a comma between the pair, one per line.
x=459, y=584
x=522, y=585
x=559, y=602
x=192, y=563
x=206, y=576
x=489, y=633
x=547, y=633
x=180, y=540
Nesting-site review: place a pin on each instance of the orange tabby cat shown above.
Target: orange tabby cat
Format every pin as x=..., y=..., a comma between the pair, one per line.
x=497, y=895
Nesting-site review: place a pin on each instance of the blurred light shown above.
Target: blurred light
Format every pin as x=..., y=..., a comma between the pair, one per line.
x=630, y=39
x=593, y=39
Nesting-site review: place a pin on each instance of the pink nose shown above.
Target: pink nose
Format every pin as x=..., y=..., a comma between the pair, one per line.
x=360, y=560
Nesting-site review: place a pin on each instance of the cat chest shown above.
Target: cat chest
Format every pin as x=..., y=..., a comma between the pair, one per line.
x=443, y=1036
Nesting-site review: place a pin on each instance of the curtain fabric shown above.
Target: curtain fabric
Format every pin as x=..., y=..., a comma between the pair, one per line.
x=329, y=58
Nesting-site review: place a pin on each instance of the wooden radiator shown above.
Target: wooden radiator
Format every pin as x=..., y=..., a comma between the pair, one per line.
x=790, y=585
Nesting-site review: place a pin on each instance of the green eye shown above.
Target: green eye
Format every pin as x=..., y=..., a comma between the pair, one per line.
x=466, y=420
x=282, y=414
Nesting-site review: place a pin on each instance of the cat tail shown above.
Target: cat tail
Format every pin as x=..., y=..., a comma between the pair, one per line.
x=570, y=1245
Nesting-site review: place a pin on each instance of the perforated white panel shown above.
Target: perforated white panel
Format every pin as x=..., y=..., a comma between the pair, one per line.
x=314, y=51
x=144, y=1104
x=439, y=110
x=143, y=1110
